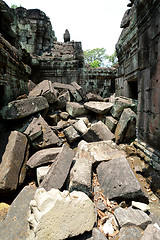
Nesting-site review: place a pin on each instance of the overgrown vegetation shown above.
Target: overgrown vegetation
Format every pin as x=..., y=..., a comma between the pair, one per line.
x=97, y=57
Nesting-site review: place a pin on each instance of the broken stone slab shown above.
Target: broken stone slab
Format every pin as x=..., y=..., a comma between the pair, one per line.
x=142, y=206
x=118, y=181
x=79, y=90
x=64, y=115
x=94, y=97
x=120, y=104
x=80, y=126
x=15, y=225
x=41, y=172
x=130, y=216
x=33, y=130
x=126, y=127
x=98, y=132
x=151, y=232
x=75, y=109
x=46, y=90
x=130, y=232
x=98, y=107
x=103, y=151
x=70, y=88
x=71, y=134
x=48, y=138
x=59, y=170
x=13, y=162
x=80, y=174
x=74, y=211
x=111, y=123
x=63, y=98
x=43, y=156
x=24, y=107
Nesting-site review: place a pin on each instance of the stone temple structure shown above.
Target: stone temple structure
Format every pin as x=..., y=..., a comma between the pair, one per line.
x=29, y=50
x=138, y=51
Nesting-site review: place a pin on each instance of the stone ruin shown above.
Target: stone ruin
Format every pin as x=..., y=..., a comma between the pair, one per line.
x=67, y=141
x=138, y=75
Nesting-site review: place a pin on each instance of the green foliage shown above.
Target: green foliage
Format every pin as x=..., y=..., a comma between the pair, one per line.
x=15, y=6
x=91, y=55
x=97, y=57
x=95, y=64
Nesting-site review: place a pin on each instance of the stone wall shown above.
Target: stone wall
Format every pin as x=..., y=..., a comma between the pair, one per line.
x=100, y=80
x=138, y=52
x=33, y=29
x=126, y=83
x=62, y=63
x=14, y=71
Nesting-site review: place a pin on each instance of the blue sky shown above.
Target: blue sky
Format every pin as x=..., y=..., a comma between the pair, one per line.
x=96, y=23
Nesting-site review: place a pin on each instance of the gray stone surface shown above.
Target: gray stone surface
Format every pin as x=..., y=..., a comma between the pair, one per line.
x=41, y=172
x=98, y=132
x=126, y=127
x=43, y=156
x=120, y=104
x=151, y=232
x=98, y=107
x=80, y=174
x=33, y=130
x=130, y=233
x=63, y=98
x=48, y=138
x=71, y=134
x=111, y=123
x=118, y=181
x=13, y=160
x=94, y=97
x=54, y=210
x=24, y=107
x=75, y=109
x=59, y=170
x=46, y=90
x=15, y=226
x=80, y=126
x=130, y=216
x=79, y=90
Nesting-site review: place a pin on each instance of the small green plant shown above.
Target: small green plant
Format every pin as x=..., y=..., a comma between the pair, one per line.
x=95, y=64
x=14, y=6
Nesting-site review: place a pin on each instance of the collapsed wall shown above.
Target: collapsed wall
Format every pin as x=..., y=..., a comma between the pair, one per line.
x=14, y=71
x=138, y=51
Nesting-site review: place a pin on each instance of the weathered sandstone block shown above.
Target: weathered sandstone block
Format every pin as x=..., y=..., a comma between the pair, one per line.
x=58, y=215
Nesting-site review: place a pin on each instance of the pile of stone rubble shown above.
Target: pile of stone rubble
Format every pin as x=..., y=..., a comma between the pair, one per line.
x=66, y=141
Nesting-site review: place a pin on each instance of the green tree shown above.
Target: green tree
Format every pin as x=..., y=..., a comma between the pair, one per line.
x=97, y=57
x=95, y=64
x=91, y=55
x=15, y=6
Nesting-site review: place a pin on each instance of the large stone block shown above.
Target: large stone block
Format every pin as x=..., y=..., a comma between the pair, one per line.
x=118, y=181
x=24, y=107
x=48, y=138
x=98, y=132
x=75, y=109
x=43, y=156
x=151, y=232
x=80, y=175
x=15, y=226
x=13, y=161
x=71, y=134
x=58, y=215
x=46, y=90
x=130, y=216
x=126, y=127
x=98, y=107
x=120, y=104
x=59, y=170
